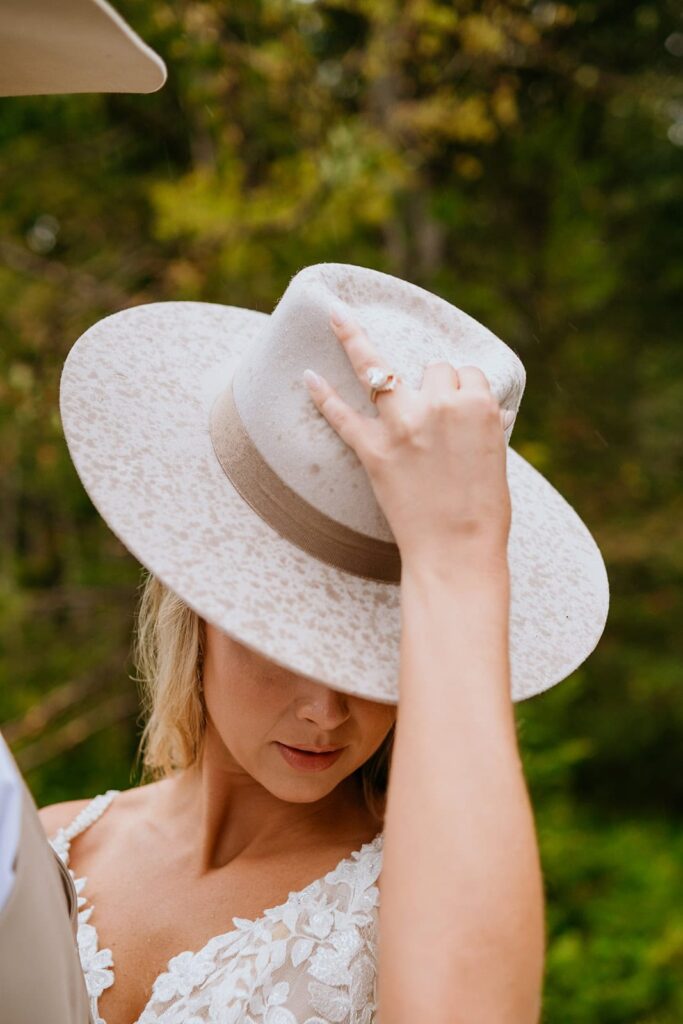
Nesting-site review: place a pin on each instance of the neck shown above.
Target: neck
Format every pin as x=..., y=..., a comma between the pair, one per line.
x=220, y=812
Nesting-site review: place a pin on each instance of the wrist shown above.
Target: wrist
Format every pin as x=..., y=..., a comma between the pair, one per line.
x=457, y=560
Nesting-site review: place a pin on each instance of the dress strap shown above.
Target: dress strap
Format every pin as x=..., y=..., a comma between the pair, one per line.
x=61, y=841
x=89, y=815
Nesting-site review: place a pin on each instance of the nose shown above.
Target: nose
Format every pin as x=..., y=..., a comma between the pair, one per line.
x=326, y=707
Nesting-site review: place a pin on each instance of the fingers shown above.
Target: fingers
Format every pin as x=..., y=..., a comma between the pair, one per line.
x=439, y=378
x=507, y=418
x=475, y=381
x=474, y=378
x=357, y=345
x=348, y=423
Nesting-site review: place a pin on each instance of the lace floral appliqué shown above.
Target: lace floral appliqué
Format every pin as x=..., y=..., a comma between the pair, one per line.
x=310, y=961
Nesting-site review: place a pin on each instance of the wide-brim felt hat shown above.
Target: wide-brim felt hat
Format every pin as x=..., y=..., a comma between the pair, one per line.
x=195, y=436
x=72, y=46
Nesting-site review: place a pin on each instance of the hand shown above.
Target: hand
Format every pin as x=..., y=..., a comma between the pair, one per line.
x=436, y=458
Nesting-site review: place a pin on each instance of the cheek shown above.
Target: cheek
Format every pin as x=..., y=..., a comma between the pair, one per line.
x=244, y=713
x=378, y=721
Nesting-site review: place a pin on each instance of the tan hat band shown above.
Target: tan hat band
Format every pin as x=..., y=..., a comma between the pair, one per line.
x=292, y=516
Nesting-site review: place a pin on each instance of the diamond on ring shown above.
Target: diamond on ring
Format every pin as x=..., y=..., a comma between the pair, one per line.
x=380, y=380
x=377, y=376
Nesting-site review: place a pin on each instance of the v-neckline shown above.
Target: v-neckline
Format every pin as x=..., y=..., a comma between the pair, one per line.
x=242, y=924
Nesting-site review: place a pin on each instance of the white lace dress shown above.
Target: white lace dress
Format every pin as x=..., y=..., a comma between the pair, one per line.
x=311, y=960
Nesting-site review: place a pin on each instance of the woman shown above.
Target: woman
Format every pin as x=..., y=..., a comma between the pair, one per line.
x=239, y=821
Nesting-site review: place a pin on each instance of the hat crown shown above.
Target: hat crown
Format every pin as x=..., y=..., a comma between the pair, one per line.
x=408, y=326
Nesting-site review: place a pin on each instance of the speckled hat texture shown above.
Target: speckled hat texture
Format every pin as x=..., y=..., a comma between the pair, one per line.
x=196, y=438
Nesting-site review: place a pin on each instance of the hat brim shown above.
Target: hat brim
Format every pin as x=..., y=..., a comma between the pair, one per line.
x=73, y=46
x=136, y=394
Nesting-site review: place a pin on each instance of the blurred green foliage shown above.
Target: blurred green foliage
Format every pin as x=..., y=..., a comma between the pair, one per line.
x=524, y=161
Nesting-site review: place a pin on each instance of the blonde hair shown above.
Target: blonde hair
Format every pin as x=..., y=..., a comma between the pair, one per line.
x=168, y=652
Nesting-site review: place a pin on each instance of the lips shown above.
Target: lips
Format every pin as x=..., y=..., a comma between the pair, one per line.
x=311, y=759
x=313, y=750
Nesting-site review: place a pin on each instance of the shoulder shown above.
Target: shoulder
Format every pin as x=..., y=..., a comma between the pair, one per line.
x=132, y=802
x=56, y=816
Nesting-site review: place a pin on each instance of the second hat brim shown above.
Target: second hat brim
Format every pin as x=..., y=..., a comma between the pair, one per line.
x=72, y=46
x=136, y=394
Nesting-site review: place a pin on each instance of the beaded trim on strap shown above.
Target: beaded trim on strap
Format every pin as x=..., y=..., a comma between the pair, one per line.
x=95, y=962
x=61, y=841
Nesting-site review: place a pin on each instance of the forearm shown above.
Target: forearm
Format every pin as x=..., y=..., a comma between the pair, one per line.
x=462, y=914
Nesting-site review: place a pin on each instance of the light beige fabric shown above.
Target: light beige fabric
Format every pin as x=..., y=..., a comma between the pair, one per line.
x=68, y=46
x=41, y=981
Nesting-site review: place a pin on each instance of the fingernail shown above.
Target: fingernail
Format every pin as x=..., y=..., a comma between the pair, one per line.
x=339, y=314
x=508, y=418
x=312, y=379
